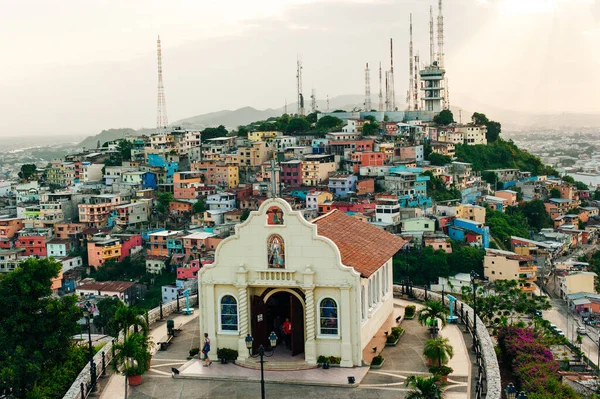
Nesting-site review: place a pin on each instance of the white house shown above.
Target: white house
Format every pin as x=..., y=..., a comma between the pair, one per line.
x=332, y=278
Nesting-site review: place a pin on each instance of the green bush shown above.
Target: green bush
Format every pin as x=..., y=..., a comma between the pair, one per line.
x=322, y=359
x=329, y=359
x=377, y=360
x=227, y=354
x=440, y=370
x=409, y=311
x=391, y=339
x=194, y=352
x=397, y=332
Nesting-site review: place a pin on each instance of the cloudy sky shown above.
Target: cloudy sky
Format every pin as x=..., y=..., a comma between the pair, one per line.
x=77, y=67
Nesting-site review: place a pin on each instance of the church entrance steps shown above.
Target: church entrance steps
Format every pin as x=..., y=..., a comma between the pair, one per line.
x=335, y=376
x=275, y=365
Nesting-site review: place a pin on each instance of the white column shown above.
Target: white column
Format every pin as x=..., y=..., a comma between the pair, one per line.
x=211, y=317
x=345, y=328
x=310, y=348
x=243, y=316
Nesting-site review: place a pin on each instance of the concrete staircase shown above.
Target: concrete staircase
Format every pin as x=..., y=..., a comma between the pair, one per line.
x=275, y=365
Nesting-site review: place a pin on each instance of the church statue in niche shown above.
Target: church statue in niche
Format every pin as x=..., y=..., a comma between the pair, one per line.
x=274, y=216
x=276, y=252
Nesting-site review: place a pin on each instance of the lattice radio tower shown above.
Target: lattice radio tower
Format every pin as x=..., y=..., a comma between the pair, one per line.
x=299, y=87
x=161, y=110
x=380, y=90
x=410, y=96
x=367, y=88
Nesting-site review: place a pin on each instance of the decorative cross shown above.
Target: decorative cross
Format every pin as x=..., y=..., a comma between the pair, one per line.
x=273, y=169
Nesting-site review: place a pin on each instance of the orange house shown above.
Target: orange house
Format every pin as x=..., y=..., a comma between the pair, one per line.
x=180, y=208
x=9, y=227
x=158, y=242
x=361, y=159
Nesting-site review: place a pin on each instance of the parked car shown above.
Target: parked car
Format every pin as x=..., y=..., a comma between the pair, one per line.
x=559, y=332
x=581, y=330
x=538, y=313
x=552, y=326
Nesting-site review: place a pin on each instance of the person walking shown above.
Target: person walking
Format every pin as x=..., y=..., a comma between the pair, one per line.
x=287, y=330
x=205, y=350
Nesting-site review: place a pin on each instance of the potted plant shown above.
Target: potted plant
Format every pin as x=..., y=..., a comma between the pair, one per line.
x=422, y=387
x=193, y=352
x=438, y=351
x=409, y=312
x=377, y=362
x=394, y=337
x=441, y=371
x=226, y=354
x=430, y=314
x=132, y=357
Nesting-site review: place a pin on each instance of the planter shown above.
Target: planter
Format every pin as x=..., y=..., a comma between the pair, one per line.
x=444, y=377
x=223, y=361
x=378, y=366
x=408, y=317
x=392, y=343
x=134, y=380
x=325, y=366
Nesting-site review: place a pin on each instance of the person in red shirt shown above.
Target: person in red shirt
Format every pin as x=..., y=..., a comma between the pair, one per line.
x=287, y=330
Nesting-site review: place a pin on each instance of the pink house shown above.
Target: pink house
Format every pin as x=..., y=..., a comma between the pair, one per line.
x=189, y=271
x=509, y=195
x=128, y=245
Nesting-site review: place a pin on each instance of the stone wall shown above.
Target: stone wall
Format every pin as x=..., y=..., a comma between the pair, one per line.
x=488, y=354
x=153, y=316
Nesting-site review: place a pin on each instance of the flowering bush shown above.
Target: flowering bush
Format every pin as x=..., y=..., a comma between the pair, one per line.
x=532, y=363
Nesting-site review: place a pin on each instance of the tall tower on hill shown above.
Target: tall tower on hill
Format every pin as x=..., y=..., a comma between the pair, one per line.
x=161, y=110
x=410, y=96
x=299, y=87
x=367, y=88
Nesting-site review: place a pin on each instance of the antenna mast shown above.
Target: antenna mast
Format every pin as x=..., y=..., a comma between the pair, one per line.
x=380, y=90
x=411, y=81
x=431, y=44
x=299, y=83
x=328, y=103
x=285, y=107
x=387, y=90
x=367, y=89
x=440, y=38
x=313, y=101
x=417, y=82
x=161, y=110
x=393, y=87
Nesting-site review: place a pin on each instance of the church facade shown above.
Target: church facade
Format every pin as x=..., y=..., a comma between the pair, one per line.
x=332, y=279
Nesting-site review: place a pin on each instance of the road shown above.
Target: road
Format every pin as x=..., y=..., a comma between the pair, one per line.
x=568, y=322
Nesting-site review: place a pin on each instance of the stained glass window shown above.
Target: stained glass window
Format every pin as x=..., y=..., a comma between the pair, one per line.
x=229, y=315
x=328, y=316
x=276, y=252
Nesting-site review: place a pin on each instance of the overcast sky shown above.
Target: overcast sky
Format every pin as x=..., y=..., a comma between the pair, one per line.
x=77, y=67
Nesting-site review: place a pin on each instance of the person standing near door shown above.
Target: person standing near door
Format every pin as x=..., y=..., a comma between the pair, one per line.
x=287, y=330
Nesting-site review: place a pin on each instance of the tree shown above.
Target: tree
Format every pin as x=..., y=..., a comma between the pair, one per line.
x=27, y=171
x=444, y=118
x=371, y=118
x=535, y=213
x=424, y=388
x=36, y=329
x=213, y=133
x=581, y=186
x=465, y=258
x=298, y=125
x=479, y=119
x=105, y=320
x=199, y=206
x=163, y=201
x=554, y=193
x=328, y=122
x=438, y=349
x=493, y=128
x=370, y=128
x=312, y=117
x=439, y=159
x=433, y=310
x=242, y=131
x=568, y=179
x=124, y=147
x=245, y=214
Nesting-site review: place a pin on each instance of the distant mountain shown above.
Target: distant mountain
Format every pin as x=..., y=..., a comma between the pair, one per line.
x=108, y=135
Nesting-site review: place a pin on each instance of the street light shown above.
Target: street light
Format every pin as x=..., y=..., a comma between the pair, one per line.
x=522, y=395
x=262, y=353
x=474, y=276
x=87, y=314
x=511, y=391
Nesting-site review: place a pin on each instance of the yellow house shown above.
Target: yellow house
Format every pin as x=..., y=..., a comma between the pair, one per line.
x=506, y=265
x=575, y=282
x=471, y=212
x=263, y=136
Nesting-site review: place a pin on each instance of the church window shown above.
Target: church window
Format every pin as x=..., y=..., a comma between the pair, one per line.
x=276, y=252
x=328, y=317
x=229, y=314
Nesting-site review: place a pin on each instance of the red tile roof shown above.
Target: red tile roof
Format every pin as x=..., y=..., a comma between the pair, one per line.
x=363, y=246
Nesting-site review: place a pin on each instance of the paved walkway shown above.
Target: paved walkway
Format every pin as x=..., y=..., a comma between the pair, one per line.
x=231, y=381
x=115, y=386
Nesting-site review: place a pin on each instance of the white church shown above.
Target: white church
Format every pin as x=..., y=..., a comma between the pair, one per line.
x=332, y=278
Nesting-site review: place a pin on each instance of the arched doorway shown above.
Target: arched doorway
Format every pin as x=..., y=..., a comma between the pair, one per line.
x=270, y=311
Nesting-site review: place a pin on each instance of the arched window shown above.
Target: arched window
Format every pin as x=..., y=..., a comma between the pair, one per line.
x=228, y=313
x=328, y=317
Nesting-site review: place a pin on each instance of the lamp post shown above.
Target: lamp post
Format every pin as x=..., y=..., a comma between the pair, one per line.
x=510, y=391
x=474, y=276
x=261, y=354
x=87, y=315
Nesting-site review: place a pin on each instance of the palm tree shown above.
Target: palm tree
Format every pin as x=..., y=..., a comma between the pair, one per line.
x=438, y=349
x=424, y=388
x=127, y=316
x=433, y=311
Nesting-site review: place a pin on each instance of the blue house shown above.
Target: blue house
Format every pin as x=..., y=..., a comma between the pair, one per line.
x=342, y=185
x=149, y=180
x=301, y=194
x=464, y=230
